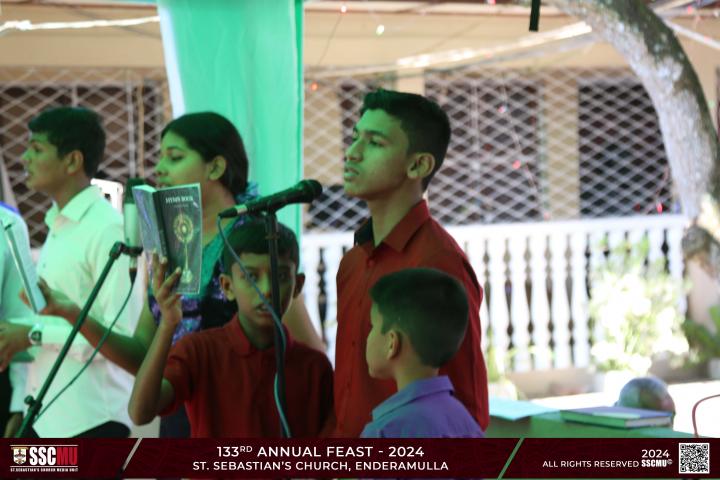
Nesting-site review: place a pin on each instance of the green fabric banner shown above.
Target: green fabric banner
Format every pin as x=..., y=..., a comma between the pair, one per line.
x=243, y=59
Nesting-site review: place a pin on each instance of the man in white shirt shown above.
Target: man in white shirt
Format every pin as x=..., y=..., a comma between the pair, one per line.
x=12, y=309
x=66, y=147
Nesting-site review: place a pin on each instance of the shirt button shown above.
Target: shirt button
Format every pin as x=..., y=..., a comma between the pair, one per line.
x=371, y=262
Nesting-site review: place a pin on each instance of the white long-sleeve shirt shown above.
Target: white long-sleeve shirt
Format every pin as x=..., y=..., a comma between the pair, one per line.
x=77, y=247
x=12, y=309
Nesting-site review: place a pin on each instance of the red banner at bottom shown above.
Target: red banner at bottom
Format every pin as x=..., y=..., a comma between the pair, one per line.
x=381, y=458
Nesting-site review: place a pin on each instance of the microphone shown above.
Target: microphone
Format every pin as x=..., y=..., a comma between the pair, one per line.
x=304, y=191
x=131, y=226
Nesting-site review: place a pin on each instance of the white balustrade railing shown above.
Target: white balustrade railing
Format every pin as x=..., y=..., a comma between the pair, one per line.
x=535, y=276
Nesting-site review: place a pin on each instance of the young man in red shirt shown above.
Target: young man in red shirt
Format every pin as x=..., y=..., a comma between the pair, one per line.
x=398, y=145
x=225, y=375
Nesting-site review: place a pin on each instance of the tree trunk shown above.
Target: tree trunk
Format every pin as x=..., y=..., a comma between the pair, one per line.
x=657, y=58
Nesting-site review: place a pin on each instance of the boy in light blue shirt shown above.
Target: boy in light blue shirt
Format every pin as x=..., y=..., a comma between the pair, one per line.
x=419, y=317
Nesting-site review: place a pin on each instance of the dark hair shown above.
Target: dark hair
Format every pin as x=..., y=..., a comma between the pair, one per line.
x=427, y=305
x=250, y=237
x=73, y=128
x=426, y=124
x=210, y=134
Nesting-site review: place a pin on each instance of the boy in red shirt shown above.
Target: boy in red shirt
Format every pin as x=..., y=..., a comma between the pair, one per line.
x=398, y=145
x=225, y=375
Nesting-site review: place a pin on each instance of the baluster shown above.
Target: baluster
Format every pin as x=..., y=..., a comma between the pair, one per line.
x=322, y=294
x=310, y=260
x=579, y=300
x=499, y=315
x=675, y=261
x=636, y=235
x=476, y=256
x=615, y=239
x=617, y=246
x=597, y=245
x=519, y=313
x=539, y=306
x=332, y=254
x=597, y=258
x=560, y=307
x=655, y=239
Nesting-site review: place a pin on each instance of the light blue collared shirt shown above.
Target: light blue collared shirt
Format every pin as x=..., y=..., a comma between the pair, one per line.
x=423, y=409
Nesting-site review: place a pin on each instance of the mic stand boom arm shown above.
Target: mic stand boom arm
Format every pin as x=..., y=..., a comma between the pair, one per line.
x=35, y=404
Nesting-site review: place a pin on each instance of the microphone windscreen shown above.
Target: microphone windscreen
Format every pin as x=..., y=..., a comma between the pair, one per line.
x=312, y=187
x=131, y=225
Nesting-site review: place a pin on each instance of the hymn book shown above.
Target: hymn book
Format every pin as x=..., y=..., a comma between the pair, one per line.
x=171, y=225
x=20, y=254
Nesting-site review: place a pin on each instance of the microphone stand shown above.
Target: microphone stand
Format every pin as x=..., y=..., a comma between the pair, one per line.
x=271, y=229
x=35, y=404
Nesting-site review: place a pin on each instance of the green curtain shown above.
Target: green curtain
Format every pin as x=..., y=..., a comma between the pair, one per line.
x=243, y=59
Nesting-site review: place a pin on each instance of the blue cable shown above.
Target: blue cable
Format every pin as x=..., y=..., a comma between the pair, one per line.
x=278, y=326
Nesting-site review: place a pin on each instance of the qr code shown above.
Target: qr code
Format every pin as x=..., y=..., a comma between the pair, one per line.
x=694, y=458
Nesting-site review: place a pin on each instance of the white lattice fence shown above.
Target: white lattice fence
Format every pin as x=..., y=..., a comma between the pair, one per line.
x=131, y=102
x=535, y=277
x=527, y=145
x=547, y=144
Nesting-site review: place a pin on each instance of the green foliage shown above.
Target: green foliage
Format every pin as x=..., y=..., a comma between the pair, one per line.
x=634, y=305
x=495, y=362
x=703, y=342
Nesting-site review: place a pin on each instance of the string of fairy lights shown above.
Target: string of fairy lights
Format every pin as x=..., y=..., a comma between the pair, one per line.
x=27, y=25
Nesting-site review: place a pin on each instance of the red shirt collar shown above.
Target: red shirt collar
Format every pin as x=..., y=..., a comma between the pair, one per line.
x=241, y=343
x=401, y=233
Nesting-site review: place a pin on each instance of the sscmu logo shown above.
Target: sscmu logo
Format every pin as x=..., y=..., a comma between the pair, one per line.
x=19, y=454
x=44, y=458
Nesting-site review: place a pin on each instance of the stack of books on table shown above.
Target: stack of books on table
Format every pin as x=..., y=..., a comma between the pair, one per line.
x=618, y=417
